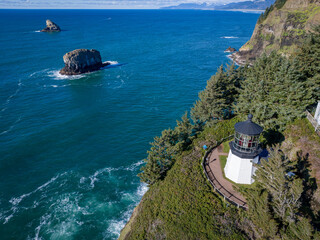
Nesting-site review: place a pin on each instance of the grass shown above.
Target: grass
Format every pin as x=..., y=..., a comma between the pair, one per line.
x=223, y=161
x=226, y=147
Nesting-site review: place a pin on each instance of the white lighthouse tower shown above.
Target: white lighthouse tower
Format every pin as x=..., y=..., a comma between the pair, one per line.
x=244, y=152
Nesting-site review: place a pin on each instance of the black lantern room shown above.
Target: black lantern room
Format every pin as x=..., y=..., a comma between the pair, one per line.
x=246, y=139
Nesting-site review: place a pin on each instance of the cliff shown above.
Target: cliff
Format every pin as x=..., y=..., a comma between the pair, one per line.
x=282, y=28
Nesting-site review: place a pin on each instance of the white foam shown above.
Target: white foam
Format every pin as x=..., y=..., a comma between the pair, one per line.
x=229, y=56
x=57, y=76
x=111, y=62
x=134, y=166
x=39, y=72
x=142, y=189
x=37, y=31
x=116, y=226
x=16, y=201
x=229, y=37
x=95, y=177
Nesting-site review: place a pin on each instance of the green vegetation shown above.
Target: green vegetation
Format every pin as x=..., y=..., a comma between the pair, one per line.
x=180, y=203
x=276, y=203
x=278, y=4
x=223, y=161
x=183, y=205
x=276, y=90
x=226, y=147
x=215, y=102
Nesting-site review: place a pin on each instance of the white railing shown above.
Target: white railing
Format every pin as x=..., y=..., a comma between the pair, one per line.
x=314, y=122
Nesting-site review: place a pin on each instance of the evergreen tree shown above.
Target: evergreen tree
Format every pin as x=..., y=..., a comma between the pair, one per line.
x=307, y=61
x=216, y=101
x=274, y=91
x=161, y=155
x=284, y=191
x=276, y=200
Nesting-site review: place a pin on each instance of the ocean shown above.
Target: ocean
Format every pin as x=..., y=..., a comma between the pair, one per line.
x=71, y=147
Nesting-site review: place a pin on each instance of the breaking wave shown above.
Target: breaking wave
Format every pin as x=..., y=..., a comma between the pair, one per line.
x=229, y=37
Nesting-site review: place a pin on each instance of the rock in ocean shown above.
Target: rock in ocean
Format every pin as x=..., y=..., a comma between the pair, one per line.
x=230, y=49
x=82, y=61
x=51, y=27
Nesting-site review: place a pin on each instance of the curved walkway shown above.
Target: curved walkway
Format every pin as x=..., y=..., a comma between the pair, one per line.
x=213, y=171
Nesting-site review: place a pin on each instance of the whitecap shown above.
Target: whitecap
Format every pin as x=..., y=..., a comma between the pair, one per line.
x=142, y=189
x=229, y=56
x=116, y=226
x=229, y=37
x=39, y=72
x=94, y=178
x=57, y=76
x=17, y=200
x=111, y=62
x=134, y=166
x=37, y=31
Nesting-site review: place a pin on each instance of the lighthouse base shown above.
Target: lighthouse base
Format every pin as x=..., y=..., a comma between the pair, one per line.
x=240, y=170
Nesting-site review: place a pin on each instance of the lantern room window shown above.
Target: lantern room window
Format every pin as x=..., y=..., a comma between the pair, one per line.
x=245, y=143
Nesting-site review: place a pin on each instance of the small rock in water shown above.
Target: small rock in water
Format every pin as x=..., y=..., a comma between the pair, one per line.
x=51, y=27
x=230, y=49
x=82, y=61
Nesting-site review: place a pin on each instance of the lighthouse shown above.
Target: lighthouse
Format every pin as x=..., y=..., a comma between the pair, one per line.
x=244, y=152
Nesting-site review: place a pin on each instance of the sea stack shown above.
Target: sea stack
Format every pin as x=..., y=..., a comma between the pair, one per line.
x=51, y=27
x=230, y=50
x=82, y=61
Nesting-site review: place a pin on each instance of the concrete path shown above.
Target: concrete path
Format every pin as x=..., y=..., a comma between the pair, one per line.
x=222, y=185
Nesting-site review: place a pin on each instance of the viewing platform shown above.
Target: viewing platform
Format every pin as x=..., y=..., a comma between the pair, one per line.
x=213, y=170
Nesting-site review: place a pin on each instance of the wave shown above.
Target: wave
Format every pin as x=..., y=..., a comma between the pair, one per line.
x=228, y=37
x=37, y=31
x=57, y=86
x=92, y=179
x=6, y=103
x=11, y=127
x=112, y=64
x=61, y=219
x=15, y=201
x=229, y=56
x=116, y=225
x=57, y=76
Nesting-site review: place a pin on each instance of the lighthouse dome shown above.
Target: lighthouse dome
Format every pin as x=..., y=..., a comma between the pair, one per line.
x=248, y=127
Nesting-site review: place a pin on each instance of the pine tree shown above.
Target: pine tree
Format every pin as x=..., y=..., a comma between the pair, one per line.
x=160, y=157
x=284, y=191
x=164, y=149
x=275, y=92
x=216, y=101
x=307, y=61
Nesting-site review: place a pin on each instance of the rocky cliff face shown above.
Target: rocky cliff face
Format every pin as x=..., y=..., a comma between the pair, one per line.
x=51, y=27
x=282, y=28
x=82, y=61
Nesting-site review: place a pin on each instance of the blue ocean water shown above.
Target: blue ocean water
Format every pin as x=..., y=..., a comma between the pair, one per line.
x=71, y=147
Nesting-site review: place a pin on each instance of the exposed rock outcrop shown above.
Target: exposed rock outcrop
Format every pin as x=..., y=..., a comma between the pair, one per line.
x=230, y=50
x=82, y=61
x=282, y=28
x=51, y=27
